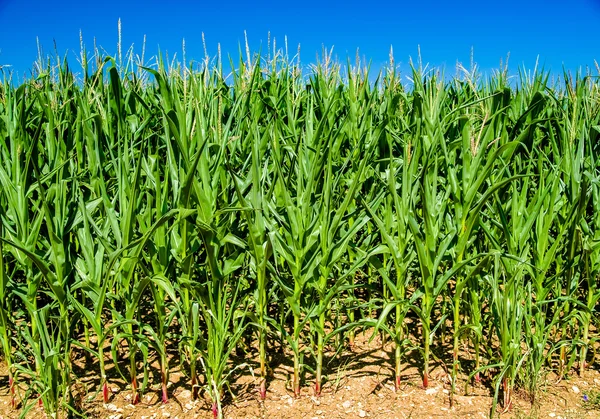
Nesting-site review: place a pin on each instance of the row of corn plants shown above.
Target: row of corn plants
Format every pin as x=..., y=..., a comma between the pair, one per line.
x=155, y=210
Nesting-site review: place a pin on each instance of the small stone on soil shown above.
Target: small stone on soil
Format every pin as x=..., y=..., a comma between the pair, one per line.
x=112, y=407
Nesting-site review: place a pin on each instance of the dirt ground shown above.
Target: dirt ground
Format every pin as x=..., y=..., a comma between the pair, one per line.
x=360, y=385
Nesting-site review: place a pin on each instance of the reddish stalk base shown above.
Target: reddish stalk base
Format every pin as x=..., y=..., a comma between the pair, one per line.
x=13, y=400
x=397, y=383
x=136, y=396
x=194, y=389
x=165, y=396
x=585, y=365
x=317, y=389
x=215, y=410
x=165, y=393
x=425, y=380
x=296, y=383
x=507, y=396
x=262, y=391
x=477, y=378
x=105, y=392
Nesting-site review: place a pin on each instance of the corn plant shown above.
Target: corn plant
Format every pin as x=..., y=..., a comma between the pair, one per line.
x=508, y=313
x=294, y=229
x=544, y=308
x=335, y=236
x=591, y=246
x=509, y=292
x=467, y=180
x=6, y=328
x=397, y=237
x=433, y=236
x=259, y=245
x=150, y=205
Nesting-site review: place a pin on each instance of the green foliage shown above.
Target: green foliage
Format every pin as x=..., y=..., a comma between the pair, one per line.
x=144, y=208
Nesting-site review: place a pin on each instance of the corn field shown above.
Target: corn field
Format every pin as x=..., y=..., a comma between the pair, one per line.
x=171, y=215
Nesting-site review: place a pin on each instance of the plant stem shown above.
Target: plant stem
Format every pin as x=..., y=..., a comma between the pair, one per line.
x=320, y=344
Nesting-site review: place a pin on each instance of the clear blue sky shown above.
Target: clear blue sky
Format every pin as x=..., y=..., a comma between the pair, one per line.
x=561, y=32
